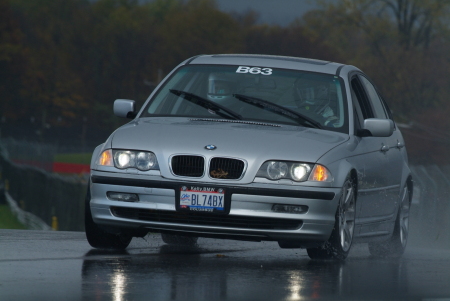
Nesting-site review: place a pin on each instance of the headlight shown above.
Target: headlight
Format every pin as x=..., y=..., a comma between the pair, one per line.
x=123, y=159
x=145, y=160
x=300, y=171
x=295, y=171
x=276, y=170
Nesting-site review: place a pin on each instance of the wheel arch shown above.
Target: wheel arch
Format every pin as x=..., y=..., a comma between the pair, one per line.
x=354, y=175
x=407, y=180
x=410, y=185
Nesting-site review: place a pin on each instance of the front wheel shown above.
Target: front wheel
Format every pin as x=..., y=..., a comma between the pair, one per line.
x=98, y=238
x=395, y=246
x=339, y=244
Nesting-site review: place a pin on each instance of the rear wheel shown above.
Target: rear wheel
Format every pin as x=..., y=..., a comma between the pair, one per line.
x=173, y=239
x=99, y=238
x=339, y=244
x=396, y=245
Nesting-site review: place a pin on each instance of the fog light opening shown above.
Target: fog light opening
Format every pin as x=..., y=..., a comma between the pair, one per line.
x=122, y=197
x=297, y=209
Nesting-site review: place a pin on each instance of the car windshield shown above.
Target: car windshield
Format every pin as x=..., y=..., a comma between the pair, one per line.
x=252, y=94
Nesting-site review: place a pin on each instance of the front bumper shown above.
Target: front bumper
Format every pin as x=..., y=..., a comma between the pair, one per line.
x=250, y=213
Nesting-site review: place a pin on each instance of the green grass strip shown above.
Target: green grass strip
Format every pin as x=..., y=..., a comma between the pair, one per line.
x=8, y=220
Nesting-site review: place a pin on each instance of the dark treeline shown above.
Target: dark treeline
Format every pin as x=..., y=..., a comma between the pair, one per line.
x=63, y=62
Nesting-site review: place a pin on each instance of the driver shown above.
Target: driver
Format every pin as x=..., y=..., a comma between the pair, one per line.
x=220, y=88
x=313, y=98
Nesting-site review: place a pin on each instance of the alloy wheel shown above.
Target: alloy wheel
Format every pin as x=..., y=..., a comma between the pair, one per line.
x=347, y=216
x=404, y=217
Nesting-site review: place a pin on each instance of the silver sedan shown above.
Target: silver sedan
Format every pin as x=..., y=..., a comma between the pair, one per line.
x=254, y=147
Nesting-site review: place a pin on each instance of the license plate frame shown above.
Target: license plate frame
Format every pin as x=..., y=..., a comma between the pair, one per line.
x=200, y=199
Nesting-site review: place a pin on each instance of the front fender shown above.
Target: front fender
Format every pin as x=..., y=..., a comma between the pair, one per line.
x=340, y=170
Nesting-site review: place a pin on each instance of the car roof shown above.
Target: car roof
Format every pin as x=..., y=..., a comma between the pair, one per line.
x=273, y=61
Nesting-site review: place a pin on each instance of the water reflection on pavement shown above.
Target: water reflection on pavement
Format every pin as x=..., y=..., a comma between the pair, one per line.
x=49, y=265
x=196, y=273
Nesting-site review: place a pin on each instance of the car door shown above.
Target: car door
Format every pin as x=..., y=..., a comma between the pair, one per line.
x=391, y=149
x=372, y=161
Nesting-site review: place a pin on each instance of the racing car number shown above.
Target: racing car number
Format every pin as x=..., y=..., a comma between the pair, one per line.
x=254, y=70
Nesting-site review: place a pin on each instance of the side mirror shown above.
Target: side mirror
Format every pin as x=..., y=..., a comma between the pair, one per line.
x=125, y=108
x=377, y=127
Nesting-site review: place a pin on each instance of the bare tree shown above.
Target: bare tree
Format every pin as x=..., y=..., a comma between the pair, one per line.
x=417, y=20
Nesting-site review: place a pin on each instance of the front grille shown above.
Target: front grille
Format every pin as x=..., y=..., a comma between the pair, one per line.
x=188, y=218
x=225, y=168
x=188, y=166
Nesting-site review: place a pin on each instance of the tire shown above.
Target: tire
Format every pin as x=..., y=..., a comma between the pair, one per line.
x=173, y=239
x=99, y=238
x=341, y=238
x=396, y=245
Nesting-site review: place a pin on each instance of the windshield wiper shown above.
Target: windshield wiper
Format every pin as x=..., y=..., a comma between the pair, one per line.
x=207, y=104
x=277, y=109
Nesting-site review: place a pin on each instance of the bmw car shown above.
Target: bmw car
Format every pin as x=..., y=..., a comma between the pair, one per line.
x=297, y=151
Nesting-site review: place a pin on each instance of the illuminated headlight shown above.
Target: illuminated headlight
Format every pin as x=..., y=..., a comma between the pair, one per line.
x=134, y=159
x=123, y=159
x=296, y=171
x=300, y=171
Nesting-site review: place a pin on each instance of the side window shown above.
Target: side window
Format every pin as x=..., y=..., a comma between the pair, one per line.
x=388, y=110
x=378, y=108
x=358, y=116
x=364, y=106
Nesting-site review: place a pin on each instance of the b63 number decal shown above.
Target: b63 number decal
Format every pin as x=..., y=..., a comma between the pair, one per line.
x=254, y=70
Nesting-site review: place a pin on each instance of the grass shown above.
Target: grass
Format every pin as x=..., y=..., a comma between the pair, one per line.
x=83, y=158
x=8, y=220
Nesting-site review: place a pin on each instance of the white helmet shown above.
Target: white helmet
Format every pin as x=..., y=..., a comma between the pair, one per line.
x=313, y=96
x=220, y=87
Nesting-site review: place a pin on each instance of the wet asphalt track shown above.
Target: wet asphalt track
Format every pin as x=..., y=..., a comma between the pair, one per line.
x=40, y=265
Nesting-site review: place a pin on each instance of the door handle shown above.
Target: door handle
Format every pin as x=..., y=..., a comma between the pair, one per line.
x=385, y=148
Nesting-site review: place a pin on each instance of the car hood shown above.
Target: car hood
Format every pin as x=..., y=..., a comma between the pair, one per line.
x=254, y=142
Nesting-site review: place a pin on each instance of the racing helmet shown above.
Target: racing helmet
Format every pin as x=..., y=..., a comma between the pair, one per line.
x=312, y=95
x=220, y=87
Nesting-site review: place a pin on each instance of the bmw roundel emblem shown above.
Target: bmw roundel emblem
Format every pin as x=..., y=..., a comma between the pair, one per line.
x=210, y=147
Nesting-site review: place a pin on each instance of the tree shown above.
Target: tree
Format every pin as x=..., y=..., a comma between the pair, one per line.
x=12, y=64
x=397, y=42
x=195, y=27
x=51, y=90
x=418, y=22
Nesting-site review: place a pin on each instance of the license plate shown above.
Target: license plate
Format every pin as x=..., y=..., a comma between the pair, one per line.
x=203, y=199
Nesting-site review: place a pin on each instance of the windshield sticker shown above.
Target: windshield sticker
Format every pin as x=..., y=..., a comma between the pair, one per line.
x=254, y=70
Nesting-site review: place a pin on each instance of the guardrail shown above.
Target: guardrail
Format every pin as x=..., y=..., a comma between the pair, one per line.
x=27, y=219
x=57, y=200
x=41, y=155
